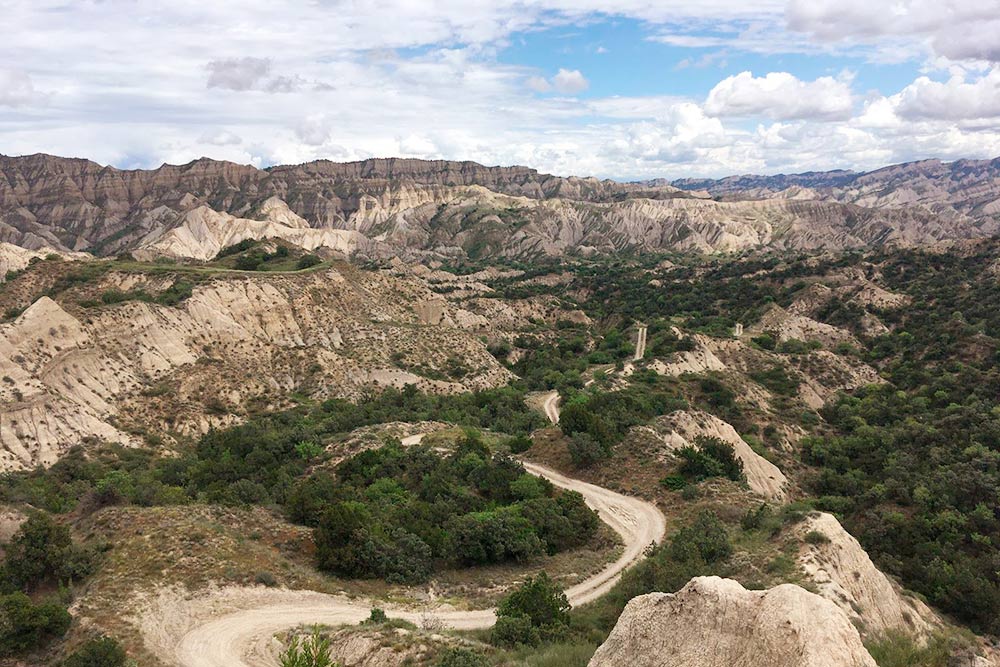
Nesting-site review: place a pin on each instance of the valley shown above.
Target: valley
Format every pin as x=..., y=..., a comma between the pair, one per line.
x=399, y=399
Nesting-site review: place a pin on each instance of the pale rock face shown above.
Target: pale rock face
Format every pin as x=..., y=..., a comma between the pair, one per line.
x=699, y=360
x=413, y=208
x=202, y=233
x=235, y=340
x=15, y=258
x=714, y=622
x=788, y=326
x=846, y=576
x=683, y=427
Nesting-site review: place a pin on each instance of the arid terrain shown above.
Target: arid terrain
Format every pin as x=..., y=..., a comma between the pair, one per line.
x=736, y=422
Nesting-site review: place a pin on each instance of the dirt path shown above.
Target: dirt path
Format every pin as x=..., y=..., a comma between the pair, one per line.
x=640, y=343
x=551, y=406
x=245, y=638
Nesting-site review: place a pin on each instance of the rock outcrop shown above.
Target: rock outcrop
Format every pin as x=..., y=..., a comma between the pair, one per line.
x=69, y=372
x=684, y=427
x=394, y=207
x=201, y=233
x=846, y=576
x=714, y=622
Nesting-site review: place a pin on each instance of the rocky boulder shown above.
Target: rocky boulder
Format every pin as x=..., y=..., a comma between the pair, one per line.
x=714, y=622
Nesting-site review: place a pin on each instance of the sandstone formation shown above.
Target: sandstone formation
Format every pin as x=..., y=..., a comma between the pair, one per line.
x=16, y=258
x=201, y=233
x=408, y=208
x=846, y=576
x=70, y=372
x=683, y=428
x=785, y=325
x=714, y=622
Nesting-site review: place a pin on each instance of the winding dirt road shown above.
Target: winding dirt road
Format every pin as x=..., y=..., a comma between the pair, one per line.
x=551, y=406
x=245, y=638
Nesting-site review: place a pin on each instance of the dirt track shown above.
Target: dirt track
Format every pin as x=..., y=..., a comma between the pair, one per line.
x=244, y=638
x=551, y=406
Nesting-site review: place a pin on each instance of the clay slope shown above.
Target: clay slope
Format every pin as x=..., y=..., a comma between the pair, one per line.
x=845, y=575
x=714, y=622
x=401, y=207
x=684, y=427
x=70, y=372
x=15, y=258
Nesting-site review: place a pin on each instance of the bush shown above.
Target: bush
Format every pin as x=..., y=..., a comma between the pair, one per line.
x=712, y=458
x=518, y=444
x=103, y=652
x=584, y=450
x=265, y=578
x=457, y=656
x=377, y=616
x=816, y=537
x=25, y=626
x=311, y=652
x=42, y=550
x=706, y=539
x=510, y=631
x=540, y=600
x=307, y=261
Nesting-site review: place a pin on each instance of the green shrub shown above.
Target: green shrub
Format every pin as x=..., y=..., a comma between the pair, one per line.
x=706, y=539
x=713, y=457
x=458, y=656
x=307, y=261
x=376, y=616
x=816, y=537
x=541, y=602
x=265, y=578
x=26, y=626
x=585, y=451
x=42, y=550
x=102, y=652
x=311, y=652
x=510, y=631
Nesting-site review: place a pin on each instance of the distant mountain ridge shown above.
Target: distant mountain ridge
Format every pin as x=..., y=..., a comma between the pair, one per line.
x=411, y=208
x=962, y=187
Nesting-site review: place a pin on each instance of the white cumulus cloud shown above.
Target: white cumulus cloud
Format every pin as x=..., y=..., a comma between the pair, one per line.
x=565, y=82
x=781, y=96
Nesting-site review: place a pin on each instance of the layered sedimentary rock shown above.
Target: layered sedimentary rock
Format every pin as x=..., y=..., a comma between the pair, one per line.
x=714, y=622
x=393, y=207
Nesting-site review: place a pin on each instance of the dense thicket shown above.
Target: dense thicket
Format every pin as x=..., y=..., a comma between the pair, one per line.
x=914, y=467
x=398, y=512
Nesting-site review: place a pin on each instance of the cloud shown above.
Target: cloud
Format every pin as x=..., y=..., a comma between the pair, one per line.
x=220, y=138
x=955, y=29
x=781, y=96
x=237, y=73
x=435, y=79
x=16, y=88
x=570, y=82
x=565, y=82
x=314, y=130
x=955, y=99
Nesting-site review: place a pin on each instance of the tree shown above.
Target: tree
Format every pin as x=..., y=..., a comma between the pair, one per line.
x=102, y=652
x=540, y=600
x=25, y=626
x=337, y=534
x=39, y=550
x=705, y=539
x=584, y=450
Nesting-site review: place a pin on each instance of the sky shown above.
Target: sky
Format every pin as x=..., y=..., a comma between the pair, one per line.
x=625, y=89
